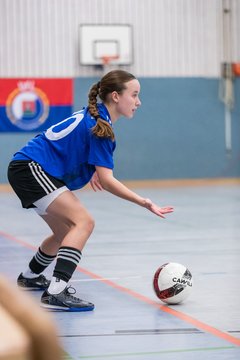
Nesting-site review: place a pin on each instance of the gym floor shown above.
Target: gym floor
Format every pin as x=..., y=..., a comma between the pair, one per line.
x=117, y=268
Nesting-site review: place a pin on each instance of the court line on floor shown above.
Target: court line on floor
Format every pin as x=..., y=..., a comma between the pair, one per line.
x=109, y=278
x=153, y=353
x=186, y=318
x=142, y=332
x=16, y=240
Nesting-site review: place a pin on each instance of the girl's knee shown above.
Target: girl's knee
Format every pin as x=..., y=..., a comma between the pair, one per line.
x=85, y=224
x=89, y=224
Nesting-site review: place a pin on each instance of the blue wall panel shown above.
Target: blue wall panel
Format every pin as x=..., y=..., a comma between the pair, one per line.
x=178, y=132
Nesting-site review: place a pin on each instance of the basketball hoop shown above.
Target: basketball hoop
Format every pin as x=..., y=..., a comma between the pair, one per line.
x=108, y=61
x=236, y=69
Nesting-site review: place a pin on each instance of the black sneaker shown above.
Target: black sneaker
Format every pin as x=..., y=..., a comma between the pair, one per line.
x=38, y=283
x=65, y=301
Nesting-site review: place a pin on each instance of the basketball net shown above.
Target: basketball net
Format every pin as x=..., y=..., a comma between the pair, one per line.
x=108, y=61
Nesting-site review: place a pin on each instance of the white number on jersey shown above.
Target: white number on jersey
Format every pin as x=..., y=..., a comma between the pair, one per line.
x=62, y=129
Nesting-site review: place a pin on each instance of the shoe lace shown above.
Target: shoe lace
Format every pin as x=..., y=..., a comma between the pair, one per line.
x=42, y=277
x=70, y=291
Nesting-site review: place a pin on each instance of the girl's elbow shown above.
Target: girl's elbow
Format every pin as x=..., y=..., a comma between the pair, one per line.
x=106, y=183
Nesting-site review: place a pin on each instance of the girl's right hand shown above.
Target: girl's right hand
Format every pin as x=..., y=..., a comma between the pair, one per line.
x=95, y=182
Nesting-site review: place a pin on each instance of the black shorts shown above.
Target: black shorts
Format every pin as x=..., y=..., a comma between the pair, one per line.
x=30, y=182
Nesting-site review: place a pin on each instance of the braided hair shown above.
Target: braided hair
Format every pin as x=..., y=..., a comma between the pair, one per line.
x=113, y=81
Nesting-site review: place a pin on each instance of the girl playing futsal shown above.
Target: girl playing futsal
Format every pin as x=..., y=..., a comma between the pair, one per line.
x=66, y=157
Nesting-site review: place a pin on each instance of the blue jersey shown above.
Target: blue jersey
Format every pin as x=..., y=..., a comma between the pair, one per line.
x=69, y=151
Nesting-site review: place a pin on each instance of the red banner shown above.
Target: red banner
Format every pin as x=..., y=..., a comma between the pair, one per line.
x=32, y=104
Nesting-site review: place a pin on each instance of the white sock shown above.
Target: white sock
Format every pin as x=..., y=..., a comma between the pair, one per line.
x=29, y=274
x=56, y=286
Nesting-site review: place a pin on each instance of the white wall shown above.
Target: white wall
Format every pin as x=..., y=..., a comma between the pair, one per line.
x=171, y=37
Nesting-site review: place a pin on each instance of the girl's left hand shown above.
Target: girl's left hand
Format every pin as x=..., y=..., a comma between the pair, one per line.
x=95, y=182
x=159, y=211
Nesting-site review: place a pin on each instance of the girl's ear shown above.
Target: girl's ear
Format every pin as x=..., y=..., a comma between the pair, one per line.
x=115, y=96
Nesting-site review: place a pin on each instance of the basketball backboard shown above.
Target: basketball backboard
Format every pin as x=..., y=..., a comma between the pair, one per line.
x=100, y=41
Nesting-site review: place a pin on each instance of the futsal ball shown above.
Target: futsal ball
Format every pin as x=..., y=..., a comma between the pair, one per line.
x=172, y=283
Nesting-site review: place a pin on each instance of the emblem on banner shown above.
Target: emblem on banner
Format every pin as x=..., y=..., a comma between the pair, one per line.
x=27, y=106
